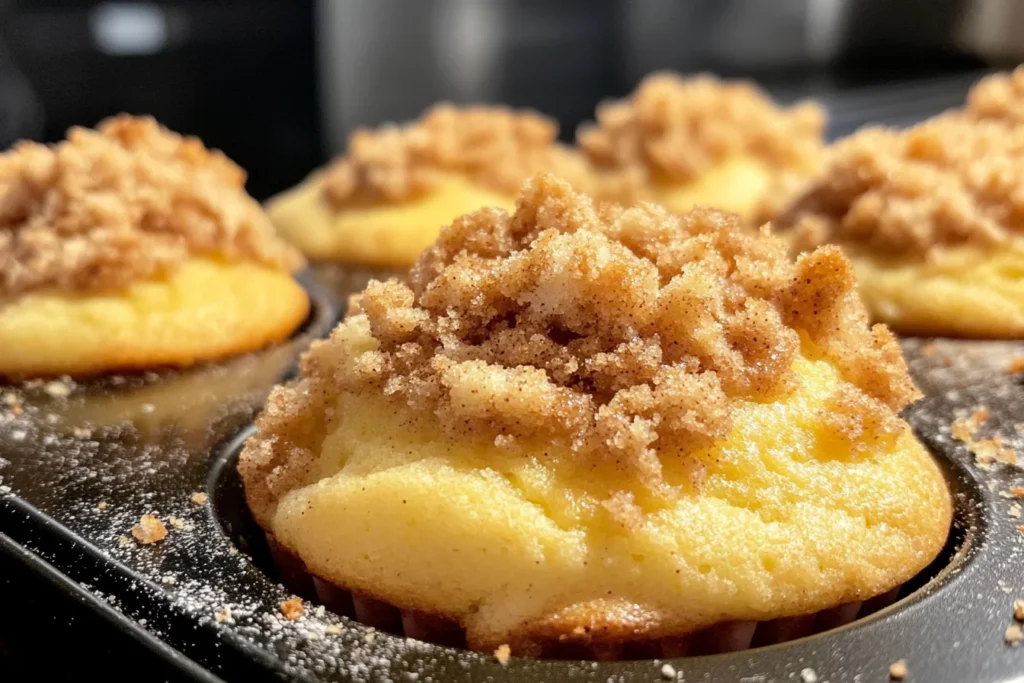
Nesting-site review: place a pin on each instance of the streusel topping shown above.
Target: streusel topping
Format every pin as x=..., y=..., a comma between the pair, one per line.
x=494, y=146
x=999, y=97
x=672, y=129
x=620, y=333
x=110, y=206
x=947, y=181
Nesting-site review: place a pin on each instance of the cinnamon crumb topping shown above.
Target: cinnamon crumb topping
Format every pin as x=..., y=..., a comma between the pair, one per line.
x=1013, y=635
x=199, y=498
x=898, y=670
x=618, y=332
x=672, y=129
x=999, y=97
x=494, y=146
x=110, y=206
x=948, y=181
x=292, y=609
x=1018, y=610
x=149, y=530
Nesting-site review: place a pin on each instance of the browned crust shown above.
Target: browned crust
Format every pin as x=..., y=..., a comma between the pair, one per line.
x=114, y=205
x=614, y=332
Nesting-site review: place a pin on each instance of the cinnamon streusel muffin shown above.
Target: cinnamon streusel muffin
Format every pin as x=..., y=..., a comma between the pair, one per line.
x=932, y=219
x=602, y=426
x=130, y=246
x=683, y=142
x=383, y=202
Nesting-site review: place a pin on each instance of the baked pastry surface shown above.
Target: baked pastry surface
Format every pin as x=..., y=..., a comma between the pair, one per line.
x=602, y=425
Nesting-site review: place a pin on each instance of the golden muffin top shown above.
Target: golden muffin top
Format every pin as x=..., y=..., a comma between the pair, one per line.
x=494, y=146
x=612, y=331
x=948, y=181
x=672, y=129
x=999, y=97
x=110, y=206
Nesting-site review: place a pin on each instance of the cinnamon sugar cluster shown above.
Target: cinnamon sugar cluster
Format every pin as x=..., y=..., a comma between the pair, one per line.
x=113, y=205
x=999, y=97
x=948, y=181
x=673, y=129
x=494, y=146
x=618, y=332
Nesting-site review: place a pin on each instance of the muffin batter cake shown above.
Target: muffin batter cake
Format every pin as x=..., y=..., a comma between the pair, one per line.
x=602, y=426
x=130, y=246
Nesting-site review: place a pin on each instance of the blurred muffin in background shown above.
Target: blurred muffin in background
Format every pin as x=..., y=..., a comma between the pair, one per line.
x=385, y=200
x=683, y=142
x=130, y=246
x=933, y=220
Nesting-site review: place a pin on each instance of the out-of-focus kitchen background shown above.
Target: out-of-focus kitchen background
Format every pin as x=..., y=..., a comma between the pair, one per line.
x=277, y=84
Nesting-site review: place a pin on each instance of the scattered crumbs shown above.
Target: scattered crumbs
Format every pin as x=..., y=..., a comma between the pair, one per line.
x=1020, y=528
x=1013, y=635
x=1018, y=610
x=1014, y=511
x=199, y=498
x=5, y=489
x=370, y=637
x=503, y=654
x=57, y=389
x=123, y=541
x=147, y=408
x=333, y=630
x=668, y=672
x=149, y=530
x=320, y=611
x=292, y=609
x=177, y=522
x=1004, y=587
x=102, y=505
x=168, y=580
x=1017, y=491
x=964, y=428
x=988, y=451
x=808, y=676
x=898, y=670
x=222, y=615
x=1016, y=365
x=82, y=433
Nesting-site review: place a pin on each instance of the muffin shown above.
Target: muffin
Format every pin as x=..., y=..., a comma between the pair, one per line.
x=385, y=200
x=932, y=219
x=601, y=427
x=999, y=97
x=130, y=247
x=700, y=141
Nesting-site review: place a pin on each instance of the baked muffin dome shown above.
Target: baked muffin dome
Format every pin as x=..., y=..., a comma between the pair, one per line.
x=130, y=246
x=602, y=425
x=933, y=220
x=385, y=200
x=683, y=142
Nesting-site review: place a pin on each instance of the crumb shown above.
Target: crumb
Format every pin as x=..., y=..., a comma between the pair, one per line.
x=1017, y=491
x=177, y=522
x=222, y=615
x=1016, y=365
x=1018, y=610
x=320, y=611
x=1004, y=587
x=898, y=670
x=677, y=128
x=81, y=433
x=496, y=147
x=292, y=609
x=964, y=429
x=168, y=580
x=503, y=654
x=592, y=358
x=1020, y=529
x=808, y=676
x=989, y=451
x=55, y=388
x=114, y=205
x=370, y=637
x=123, y=541
x=1014, y=511
x=668, y=672
x=102, y=505
x=945, y=182
x=333, y=630
x=147, y=408
x=1013, y=635
x=199, y=498
x=149, y=530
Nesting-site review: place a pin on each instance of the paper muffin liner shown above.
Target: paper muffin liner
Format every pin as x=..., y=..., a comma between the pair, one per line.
x=724, y=637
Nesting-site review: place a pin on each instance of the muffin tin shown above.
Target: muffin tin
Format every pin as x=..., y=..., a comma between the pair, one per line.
x=80, y=464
